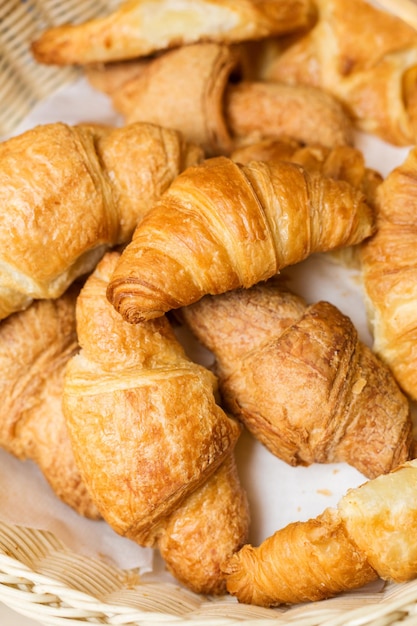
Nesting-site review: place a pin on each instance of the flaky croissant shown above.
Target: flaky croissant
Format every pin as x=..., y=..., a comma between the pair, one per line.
x=222, y=225
x=196, y=89
x=370, y=534
x=35, y=346
x=69, y=193
x=301, y=381
x=152, y=445
x=364, y=56
x=389, y=274
x=141, y=27
x=339, y=162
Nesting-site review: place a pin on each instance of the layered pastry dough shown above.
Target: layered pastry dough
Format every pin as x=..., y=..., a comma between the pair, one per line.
x=141, y=27
x=152, y=445
x=35, y=346
x=222, y=225
x=69, y=193
x=198, y=90
x=371, y=533
x=389, y=274
x=364, y=56
x=301, y=381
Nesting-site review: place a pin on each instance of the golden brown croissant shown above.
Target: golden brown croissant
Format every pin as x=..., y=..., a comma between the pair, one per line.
x=371, y=533
x=389, y=274
x=151, y=443
x=141, y=27
x=339, y=162
x=69, y=193
x=364, y=56
x=221, y=225
x=35, y=346
x=195, y=89
x=301, y=381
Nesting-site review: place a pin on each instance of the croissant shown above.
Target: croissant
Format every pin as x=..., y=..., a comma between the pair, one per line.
x=301, y=381
x=370, y=534
x=362, y=55
x=152, y=445
x=342, y=162
x=141, y=27
x=195, y=89
x=69, y=193
x=35, y=346
x=389, y=274
x=222, y=225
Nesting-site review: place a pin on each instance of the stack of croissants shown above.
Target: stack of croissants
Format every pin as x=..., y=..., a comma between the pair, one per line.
x=235, y=158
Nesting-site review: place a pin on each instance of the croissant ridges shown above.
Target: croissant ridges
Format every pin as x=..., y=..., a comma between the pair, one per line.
x=151, y=443
x=103, y=178
x=200, y=90
x=35, y=346
x=301, y=380
x=364, y=56
x=221, y=226
x=389, y=274
x=370, y=534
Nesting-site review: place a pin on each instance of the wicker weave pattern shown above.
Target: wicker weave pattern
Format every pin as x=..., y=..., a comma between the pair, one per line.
x=42, y=579
x=23, y=82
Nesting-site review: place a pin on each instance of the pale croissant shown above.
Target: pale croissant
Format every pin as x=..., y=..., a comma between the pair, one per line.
x=301, y=381
x=196, y=90
x=152, y=445
x=222, y=225
x=364, y=56
x=70, y=193
x=141, y=27
x=35, y=346
x=370, y=534
x=389, y=274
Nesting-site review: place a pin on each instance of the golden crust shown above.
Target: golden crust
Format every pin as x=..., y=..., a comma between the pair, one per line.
x=35, y=346
x=87, y=187
x=158, y=433
x=371, y=533
x=301, y=381
x=141, y=27
x=372, y=74
x=221, y=226
x=389, y=272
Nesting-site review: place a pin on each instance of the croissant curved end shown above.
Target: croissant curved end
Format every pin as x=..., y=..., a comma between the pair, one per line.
x=133, y=305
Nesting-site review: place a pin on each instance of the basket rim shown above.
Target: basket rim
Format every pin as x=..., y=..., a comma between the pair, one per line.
x=43, y=579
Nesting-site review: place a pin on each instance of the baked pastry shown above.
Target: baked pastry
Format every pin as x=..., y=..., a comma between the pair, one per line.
x=364, y=56
x=198, y=90
x=70, y=193
x=389, y=274
x=222, y=225
x=369, y=534
x=35, y=346
x=152, y=445
x=301, y=381
x=141, y=27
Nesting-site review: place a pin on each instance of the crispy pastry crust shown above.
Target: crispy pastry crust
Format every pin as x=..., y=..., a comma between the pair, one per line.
x=371, y=533
x=389, y=271
x=86, y=189
x=150, y=440
x=35, y=346
x=373, y=74
x=301, y=381
x=221, y=225
x=141, y=27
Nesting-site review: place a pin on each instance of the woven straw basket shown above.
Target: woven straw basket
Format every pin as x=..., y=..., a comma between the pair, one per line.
x=39, y=576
